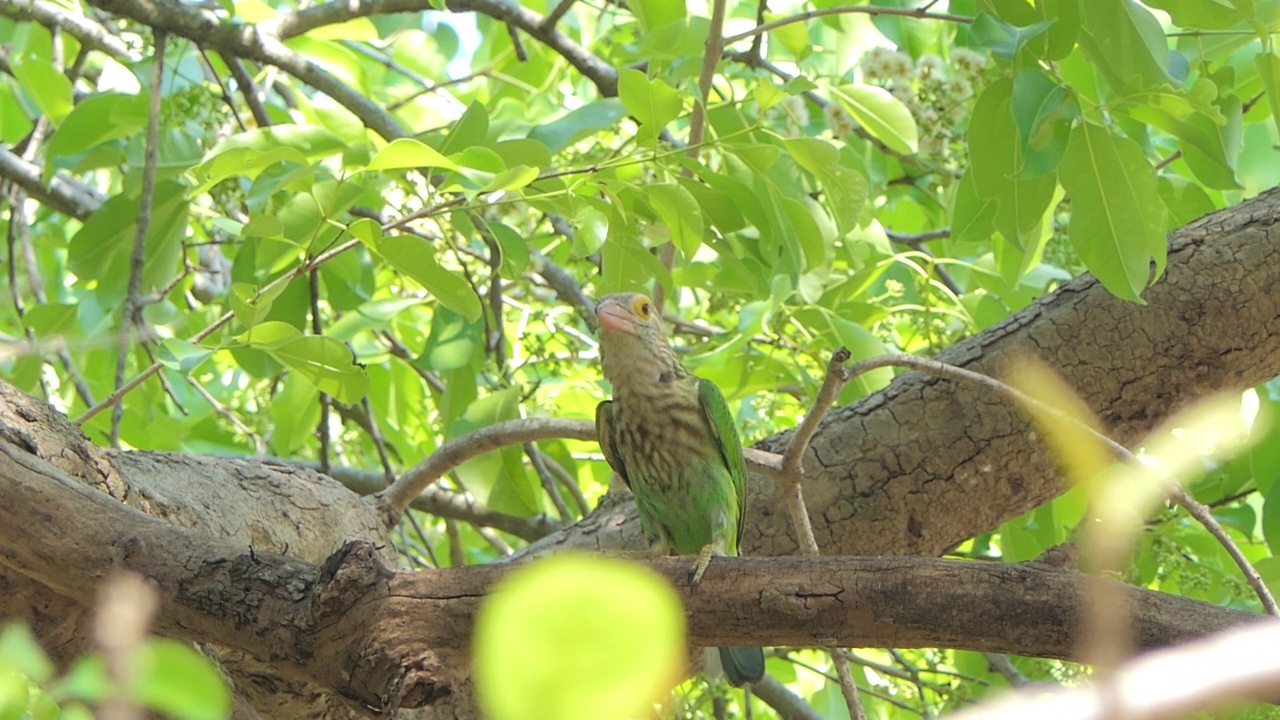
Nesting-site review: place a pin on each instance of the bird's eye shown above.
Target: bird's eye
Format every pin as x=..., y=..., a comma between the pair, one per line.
x=644, y=309
x=641, y=307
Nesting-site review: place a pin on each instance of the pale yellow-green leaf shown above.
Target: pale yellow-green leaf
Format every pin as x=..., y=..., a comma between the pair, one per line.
x=881, y=114
x=576, y=637
x=409, y=153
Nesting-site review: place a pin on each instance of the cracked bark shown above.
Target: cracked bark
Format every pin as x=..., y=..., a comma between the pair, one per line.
x=909, y=471
x=926, y=463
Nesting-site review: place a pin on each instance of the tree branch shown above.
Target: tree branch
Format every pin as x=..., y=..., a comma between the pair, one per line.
x=397, y=638
x=89, y=33
x=65, y=196
x=256, y=43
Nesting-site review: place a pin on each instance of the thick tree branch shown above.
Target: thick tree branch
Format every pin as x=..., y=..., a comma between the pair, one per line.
x=89, y=33
x=886, y=474
x=396, y=638
x=251, y=41
x=68, y=198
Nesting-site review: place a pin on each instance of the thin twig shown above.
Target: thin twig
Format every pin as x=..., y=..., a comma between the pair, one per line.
x=1000, y=663
x=848, y=688
x=248, y=90
x=569, y=482
x=449, y=455
x=131, y=313
x=548, y=482
x=558, y=12
x=212, y=327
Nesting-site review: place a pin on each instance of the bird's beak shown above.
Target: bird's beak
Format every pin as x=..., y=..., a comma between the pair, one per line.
x=614, y=318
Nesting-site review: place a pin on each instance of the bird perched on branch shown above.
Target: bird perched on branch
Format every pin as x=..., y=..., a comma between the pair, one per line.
x=671, y=438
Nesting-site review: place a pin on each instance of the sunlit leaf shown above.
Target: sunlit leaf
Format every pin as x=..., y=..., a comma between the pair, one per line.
x=883, y=115
x=549, y=643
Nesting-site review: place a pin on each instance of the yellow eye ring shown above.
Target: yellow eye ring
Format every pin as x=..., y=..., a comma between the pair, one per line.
x=641, y=307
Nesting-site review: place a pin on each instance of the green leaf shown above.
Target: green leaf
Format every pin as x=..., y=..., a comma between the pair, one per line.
x=845, y=190
x=575, y=637
x=46, y=85
x=515, y=249
x=1004, y=40
x=1186, y=201
x=972, y=216
x=499, y=477
x=1125, y=42
x=240, y=161
x=680, y=213
x=181, y=355
x=20, y=652
x=995, y=160
x=176, y=680
x=312, y=141
x=1271, y=519
x=103, y=247
x=250, y=306
x=415, y=257
x=881, y=114
x=578, y=123
x=1199, y=14
x=409, y=153
x=96, y=120
x=14, y=124
x=1042, y=111
x=657, y=13
x=619, y=260
x=86, y=680
x=653, y=103
x=295, y=412
x=324, y=361
x=1117, y=217
x=52, y=319
x=1268, y=64
x=454, y=342
x=470, y=129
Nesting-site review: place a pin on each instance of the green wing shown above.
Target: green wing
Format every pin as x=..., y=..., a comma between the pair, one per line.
x=726, y=434
x=605, y=436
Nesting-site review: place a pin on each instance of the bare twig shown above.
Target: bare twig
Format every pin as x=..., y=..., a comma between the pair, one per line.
x=569, y=482
x=449, y=455
x=786, y=703
x=556, y=13
x=132, y=312
x=443, y=502
x=548, y=482
x=848, y=688
x=248, y=90
x=1000, y=663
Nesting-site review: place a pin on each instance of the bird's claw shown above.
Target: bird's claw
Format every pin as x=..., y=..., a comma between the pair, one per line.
x=700, y=565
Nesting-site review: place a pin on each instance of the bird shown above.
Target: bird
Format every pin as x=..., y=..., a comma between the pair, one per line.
x=670, y=437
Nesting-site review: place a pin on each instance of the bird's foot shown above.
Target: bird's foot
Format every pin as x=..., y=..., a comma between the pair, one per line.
x=700, y=565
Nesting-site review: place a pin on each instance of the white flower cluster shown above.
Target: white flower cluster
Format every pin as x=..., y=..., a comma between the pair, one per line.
x=936, y=93
x=795, y=115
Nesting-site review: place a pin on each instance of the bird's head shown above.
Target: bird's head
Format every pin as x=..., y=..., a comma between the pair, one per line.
x=631, y=332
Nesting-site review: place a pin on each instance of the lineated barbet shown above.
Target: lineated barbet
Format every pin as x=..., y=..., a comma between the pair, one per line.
x=671, y=438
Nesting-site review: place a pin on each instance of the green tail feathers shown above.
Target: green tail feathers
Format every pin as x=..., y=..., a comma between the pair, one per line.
x=742, y=664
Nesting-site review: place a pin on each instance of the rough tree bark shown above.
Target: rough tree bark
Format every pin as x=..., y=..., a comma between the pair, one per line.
x=911, y=470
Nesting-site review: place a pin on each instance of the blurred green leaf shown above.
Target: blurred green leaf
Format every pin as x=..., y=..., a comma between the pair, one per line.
x=175, y=679
x=550, y=641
